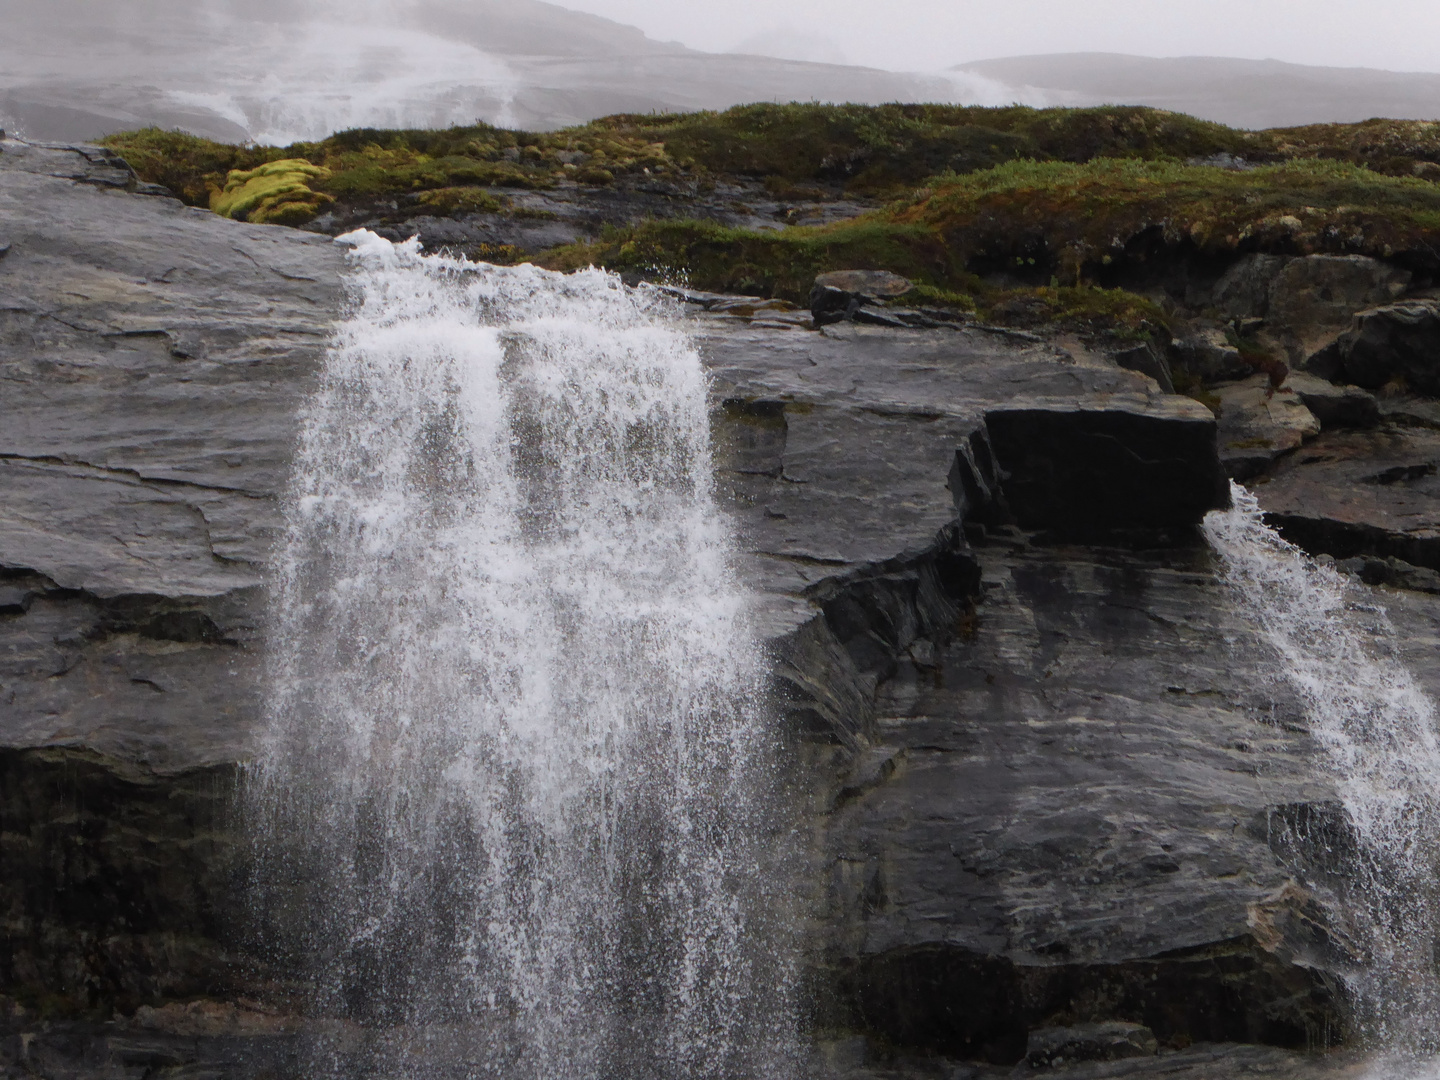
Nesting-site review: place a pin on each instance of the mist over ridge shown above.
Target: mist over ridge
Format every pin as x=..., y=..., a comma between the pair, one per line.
x=1240, y=93
x=275, y=72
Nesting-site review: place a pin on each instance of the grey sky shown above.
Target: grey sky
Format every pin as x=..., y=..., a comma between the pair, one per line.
x=1399, y=35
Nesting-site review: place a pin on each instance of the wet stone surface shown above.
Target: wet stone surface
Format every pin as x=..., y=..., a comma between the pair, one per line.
x=1053, y=780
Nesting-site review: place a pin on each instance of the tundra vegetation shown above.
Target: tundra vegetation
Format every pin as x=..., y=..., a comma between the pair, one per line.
x=1063, y=218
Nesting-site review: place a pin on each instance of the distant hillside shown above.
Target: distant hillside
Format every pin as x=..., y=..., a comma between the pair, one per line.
x=1241, y=93
x=277, y=72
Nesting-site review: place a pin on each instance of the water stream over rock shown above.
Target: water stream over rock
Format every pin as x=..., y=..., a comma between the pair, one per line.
x=517, y=788
x=1338, y=649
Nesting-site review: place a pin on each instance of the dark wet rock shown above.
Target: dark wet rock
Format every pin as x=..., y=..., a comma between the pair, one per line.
x=1047, y=1047
x=1398, y=342
x=1334, y=406
x=1146, y=358
x=1312, y=297
x=1243, y=291
x=1260, y=424
x=1088, y=467
x=1207, y=356
x=1391, y=571
x=1038, y=843
x=858, y=294
x=1052, y=779
x=1354, y=493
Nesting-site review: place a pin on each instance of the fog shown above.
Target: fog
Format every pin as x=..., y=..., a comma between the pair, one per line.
x=276, y=71
x=918, y=35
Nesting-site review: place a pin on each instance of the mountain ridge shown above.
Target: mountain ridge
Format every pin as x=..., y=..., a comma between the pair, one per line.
x=1228, y=90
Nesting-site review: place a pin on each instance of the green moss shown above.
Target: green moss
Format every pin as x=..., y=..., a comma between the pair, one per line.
x=276, y=193
x=800, y=151
x=884, y=149
x=595, y=176
x=1048, y=221
x=772, y=263
x=452, y=200
x=189, y=166
x=1068, y=197
x=1114, y=313
x=936, y=296
x=1055, y=218
x=1394, y=147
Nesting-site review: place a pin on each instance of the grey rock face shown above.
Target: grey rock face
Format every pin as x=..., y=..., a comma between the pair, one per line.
x=1048, y=1047
x=1148, y=359
x=1244, y=290
x=1307, y=301
x=1085, y=467
x=151, y=364
x=1317, y=295
x=1052, y=779
x=1208, y=357
x=1399, y=341
x=1260, y=424
x=1335, y=406
x=1352, y=493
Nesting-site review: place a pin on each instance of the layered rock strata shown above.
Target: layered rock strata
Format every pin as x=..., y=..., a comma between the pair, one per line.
x=1054, y=781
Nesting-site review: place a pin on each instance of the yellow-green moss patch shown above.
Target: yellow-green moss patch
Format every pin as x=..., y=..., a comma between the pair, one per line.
x=276, y=193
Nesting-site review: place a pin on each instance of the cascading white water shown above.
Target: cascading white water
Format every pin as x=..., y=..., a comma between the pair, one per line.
x=516, y=800
x=1338, y=649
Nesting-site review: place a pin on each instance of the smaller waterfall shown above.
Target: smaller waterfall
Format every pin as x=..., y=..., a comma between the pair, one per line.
x=515, y=810
x=1338, y=649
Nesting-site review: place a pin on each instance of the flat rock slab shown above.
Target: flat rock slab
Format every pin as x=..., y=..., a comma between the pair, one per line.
x=1352, y=493
x=152, y=357
x=1259, y=424
x=1334, y=406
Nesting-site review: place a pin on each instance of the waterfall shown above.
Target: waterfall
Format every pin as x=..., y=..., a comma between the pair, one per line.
x=515, y=810
x=1338, y=649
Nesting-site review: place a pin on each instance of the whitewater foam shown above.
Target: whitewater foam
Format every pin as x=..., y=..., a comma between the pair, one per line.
x=517, y=787
x=1339, y=651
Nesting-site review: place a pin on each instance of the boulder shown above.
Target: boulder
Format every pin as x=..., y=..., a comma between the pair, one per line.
x=1361, y=493
x=1051, y=1046
x=1243, y=291
x=1107, y=464
x=1397, y=342
x=1207, y=355
x=875, y=284
x=1334, y=406
x=1397, y=573
x=1312, y=295
x=1315, y=297
x=1148, y=359
x=840, y=294
x=1259, y=424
